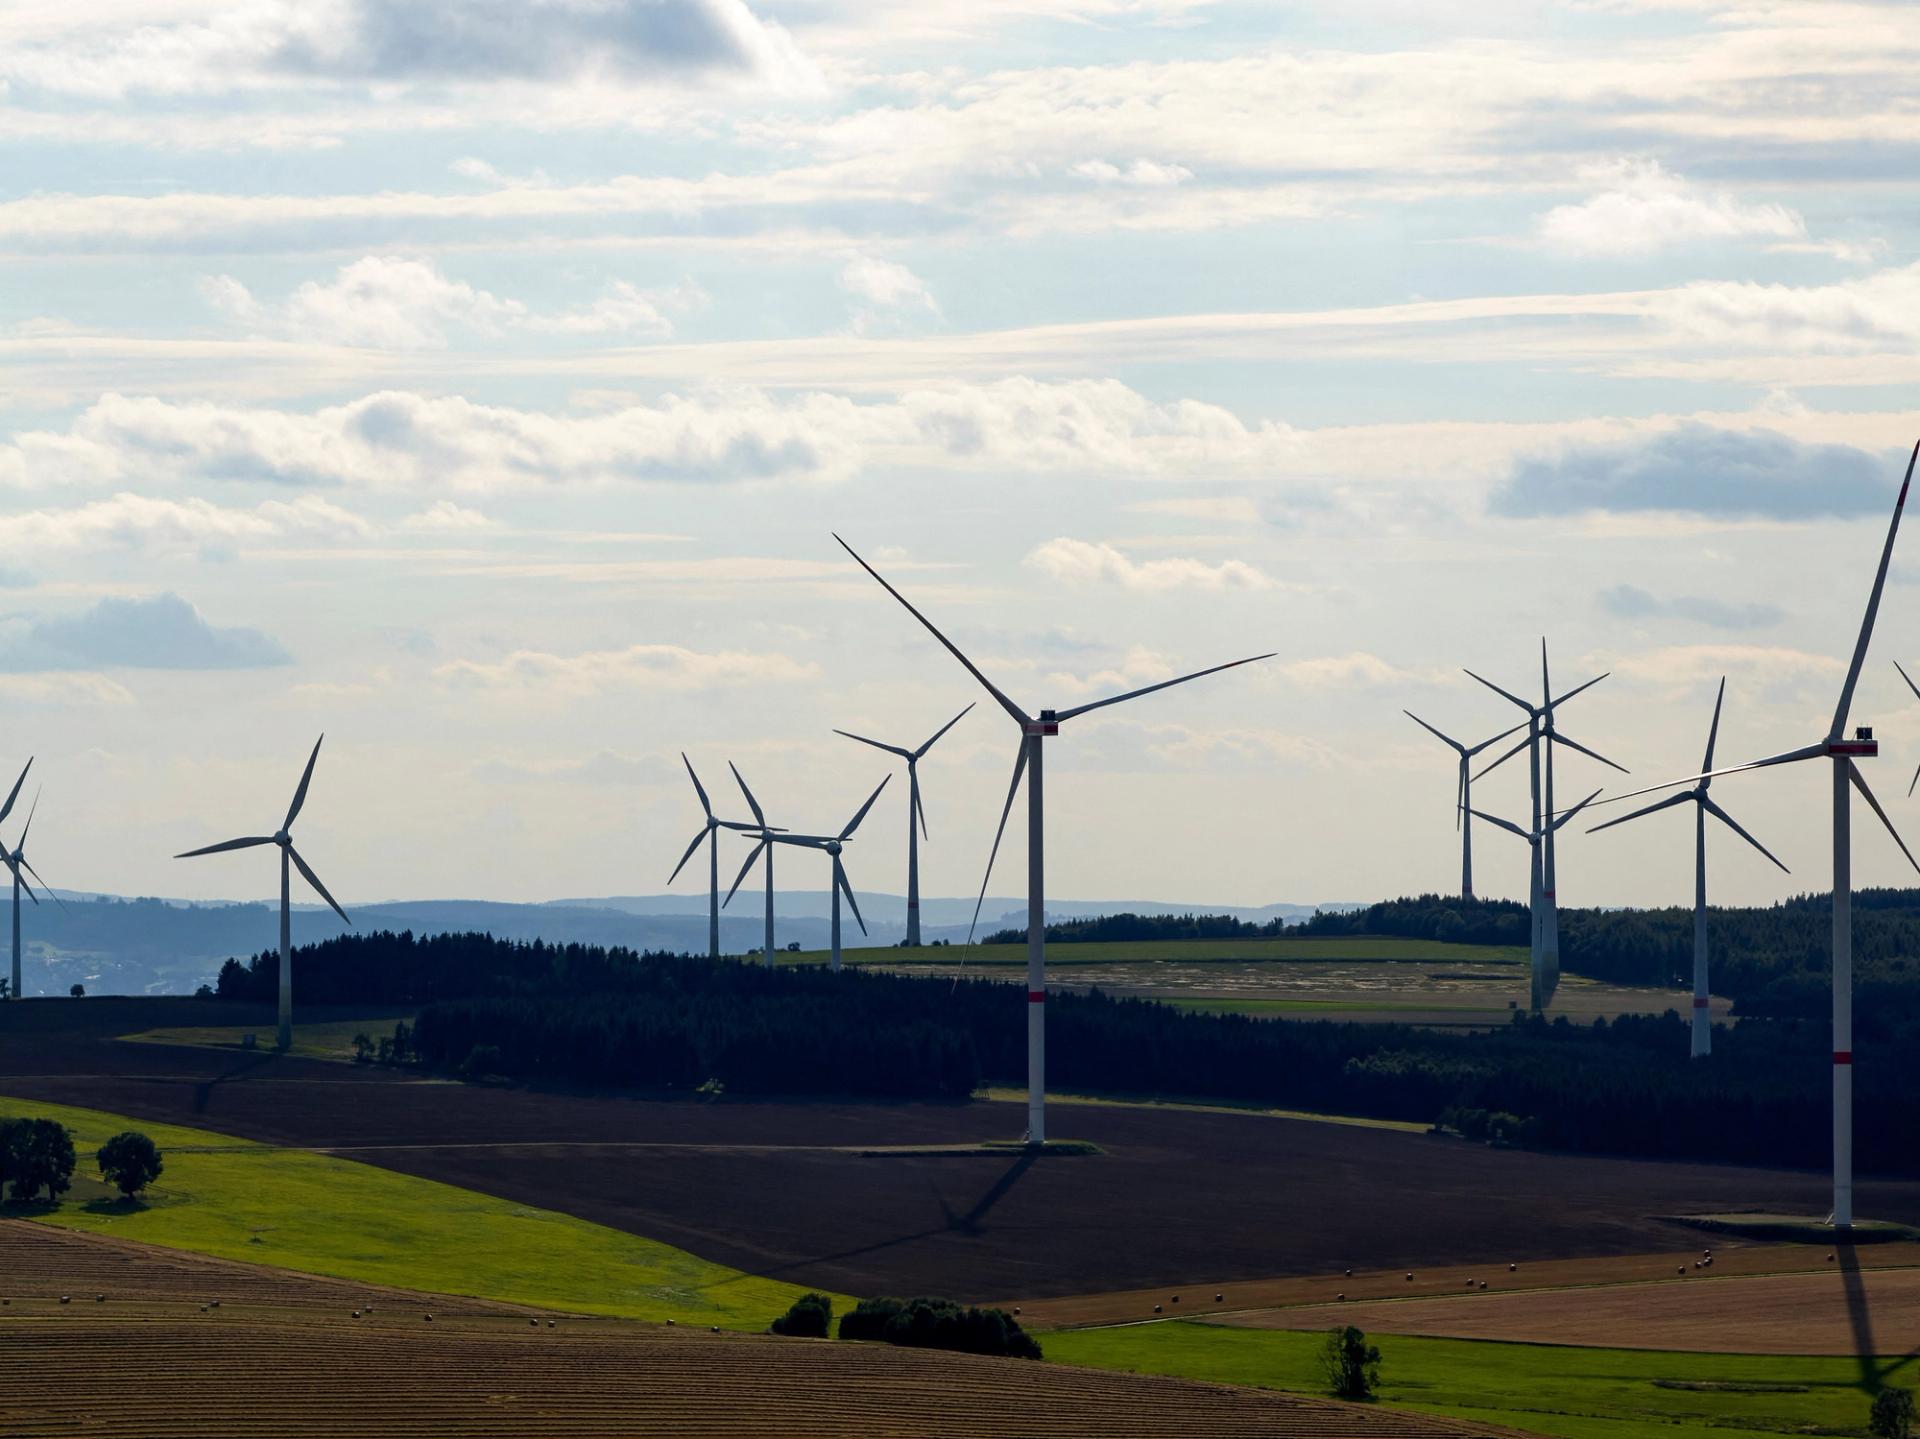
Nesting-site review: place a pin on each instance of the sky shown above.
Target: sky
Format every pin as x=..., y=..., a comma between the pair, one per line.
x=481, y=383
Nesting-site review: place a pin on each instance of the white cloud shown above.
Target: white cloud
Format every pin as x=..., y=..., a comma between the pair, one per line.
x=1085, y=562
x=80, y=689
x=1646, y=208
x=886, y=292
x=1140, y=172
x=1860, y=315
x=150, y=524
x=624, y=308
x=446, y=517
x=1338, y=672
x=1692, y=664
x=639, y=667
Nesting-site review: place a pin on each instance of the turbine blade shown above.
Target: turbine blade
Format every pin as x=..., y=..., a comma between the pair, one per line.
x=1475, y=749
x=698, y=788
x=752, y=803
x=1559, y=738
x=920, y=808
x=27, y=828
x=306, y=778
x=737, y=879
x=1164, y=684
x=1006, y=704
x=1713, y=734
x=1914, y=781
x=7, y=808
x=689, y=854
x=1444, y=739
x=1019, y=768
x=28, y=888
x=1567, y=815
x=840, y=878
x=1860, y=783
x=43, y=884
x=937, y=733
x=314, y=880
x=1873, y=609
x=1576, y=690
x=1668, y=803
x=1728, y=820
x=1507, y=694
x=1460, y=794
x=1908, y=678
x=1505, y=824
x=224, y=845
x=1505, y=757
x=854, y=823
x=1812, y=751
x=889, y=748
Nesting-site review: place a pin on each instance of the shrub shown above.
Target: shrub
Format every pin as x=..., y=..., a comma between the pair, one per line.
x=36, y=1154
x=1352, y=1365
x=130, y=1162
x=481, y=1060
x=1892, y=1414
x=362, y=1049
x=811, y=1317
x=927, y=1323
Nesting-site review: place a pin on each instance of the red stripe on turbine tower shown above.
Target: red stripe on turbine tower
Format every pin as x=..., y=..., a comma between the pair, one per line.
x=1036, y=996
x=1843, y=1056
x=1699, y=1001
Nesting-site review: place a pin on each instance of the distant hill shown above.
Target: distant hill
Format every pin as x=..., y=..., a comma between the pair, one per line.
x=114, y=945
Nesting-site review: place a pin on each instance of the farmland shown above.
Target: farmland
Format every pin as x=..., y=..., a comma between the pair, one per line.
x=287, y=1353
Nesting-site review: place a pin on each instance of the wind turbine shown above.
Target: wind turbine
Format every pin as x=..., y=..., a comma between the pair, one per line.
x=1543, y=736
x=6, y=809
x=915, y=811
x=1541, y=991
x=1916, y=694
x=1703, y=806
x=1841, y=753
x=1463, y=795
x=832, y=844
x=710, y=832
x=766, y=832
x=283, y=837
x=1033, y=730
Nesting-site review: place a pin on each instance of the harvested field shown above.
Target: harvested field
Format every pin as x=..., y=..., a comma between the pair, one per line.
x=283, y=1354
x=1840, y=1311
x=762, y=1187
x=1254, y=1303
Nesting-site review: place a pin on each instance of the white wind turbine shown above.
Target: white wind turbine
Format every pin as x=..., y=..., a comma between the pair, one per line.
x=1463, y=794
x=1703, y=806
x=1540, y=992
x=710, y=832
x=1841, y=753
x=915, y=812
x=13, y=990
x=832, y=844
x=1542, y=736
x=283, y=837
x=1033, y=729
x=765, y=832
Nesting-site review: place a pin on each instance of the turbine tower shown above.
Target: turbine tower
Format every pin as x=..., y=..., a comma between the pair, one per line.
x=1703, y=806
x=13, y=990
x=1543, y=736
x=283, y=837
x=1033, y=730
x=1841, y=753
x=765, y=832
x=1541, y=989
x=915, y=812
x=1462, y=795
x=710, y=832
x=832, y=844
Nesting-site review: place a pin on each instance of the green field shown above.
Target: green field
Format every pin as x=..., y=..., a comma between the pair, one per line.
x=312, y=1212
x=1548, y=1389
x=330, y=1039
x=1340, y=949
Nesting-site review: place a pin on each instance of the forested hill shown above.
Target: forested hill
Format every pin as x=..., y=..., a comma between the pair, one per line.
x=1771, y=960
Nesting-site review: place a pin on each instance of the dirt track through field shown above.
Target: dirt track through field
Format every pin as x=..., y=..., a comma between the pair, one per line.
x=775, y=1189
x=1847, y=1311
x=283, y=1354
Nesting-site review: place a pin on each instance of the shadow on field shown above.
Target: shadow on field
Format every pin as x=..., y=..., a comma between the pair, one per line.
x=203, y=1091
x=969, y=1224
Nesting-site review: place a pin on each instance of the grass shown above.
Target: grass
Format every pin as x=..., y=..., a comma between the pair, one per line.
x=1573, y=1392
x=261, y=1204
x=1125, y=1101
x=1484, y=1013
x=329, y=1039
x=1352, y=949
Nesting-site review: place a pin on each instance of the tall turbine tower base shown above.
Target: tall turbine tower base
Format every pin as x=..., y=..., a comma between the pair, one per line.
x=283, y=1038
x=1036, y=952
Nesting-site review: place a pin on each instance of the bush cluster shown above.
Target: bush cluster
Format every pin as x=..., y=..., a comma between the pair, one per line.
x=926, y=1323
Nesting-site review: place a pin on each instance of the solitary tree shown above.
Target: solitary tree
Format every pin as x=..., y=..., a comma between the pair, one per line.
x=1352, y=1365
x=78, y=991
x=36, y=1154
x=1892, y=1414
x=811, y=1317
x=130, y=1162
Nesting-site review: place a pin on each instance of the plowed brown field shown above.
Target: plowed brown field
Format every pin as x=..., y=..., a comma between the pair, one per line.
x=768, y=1187
x=282, y=1354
